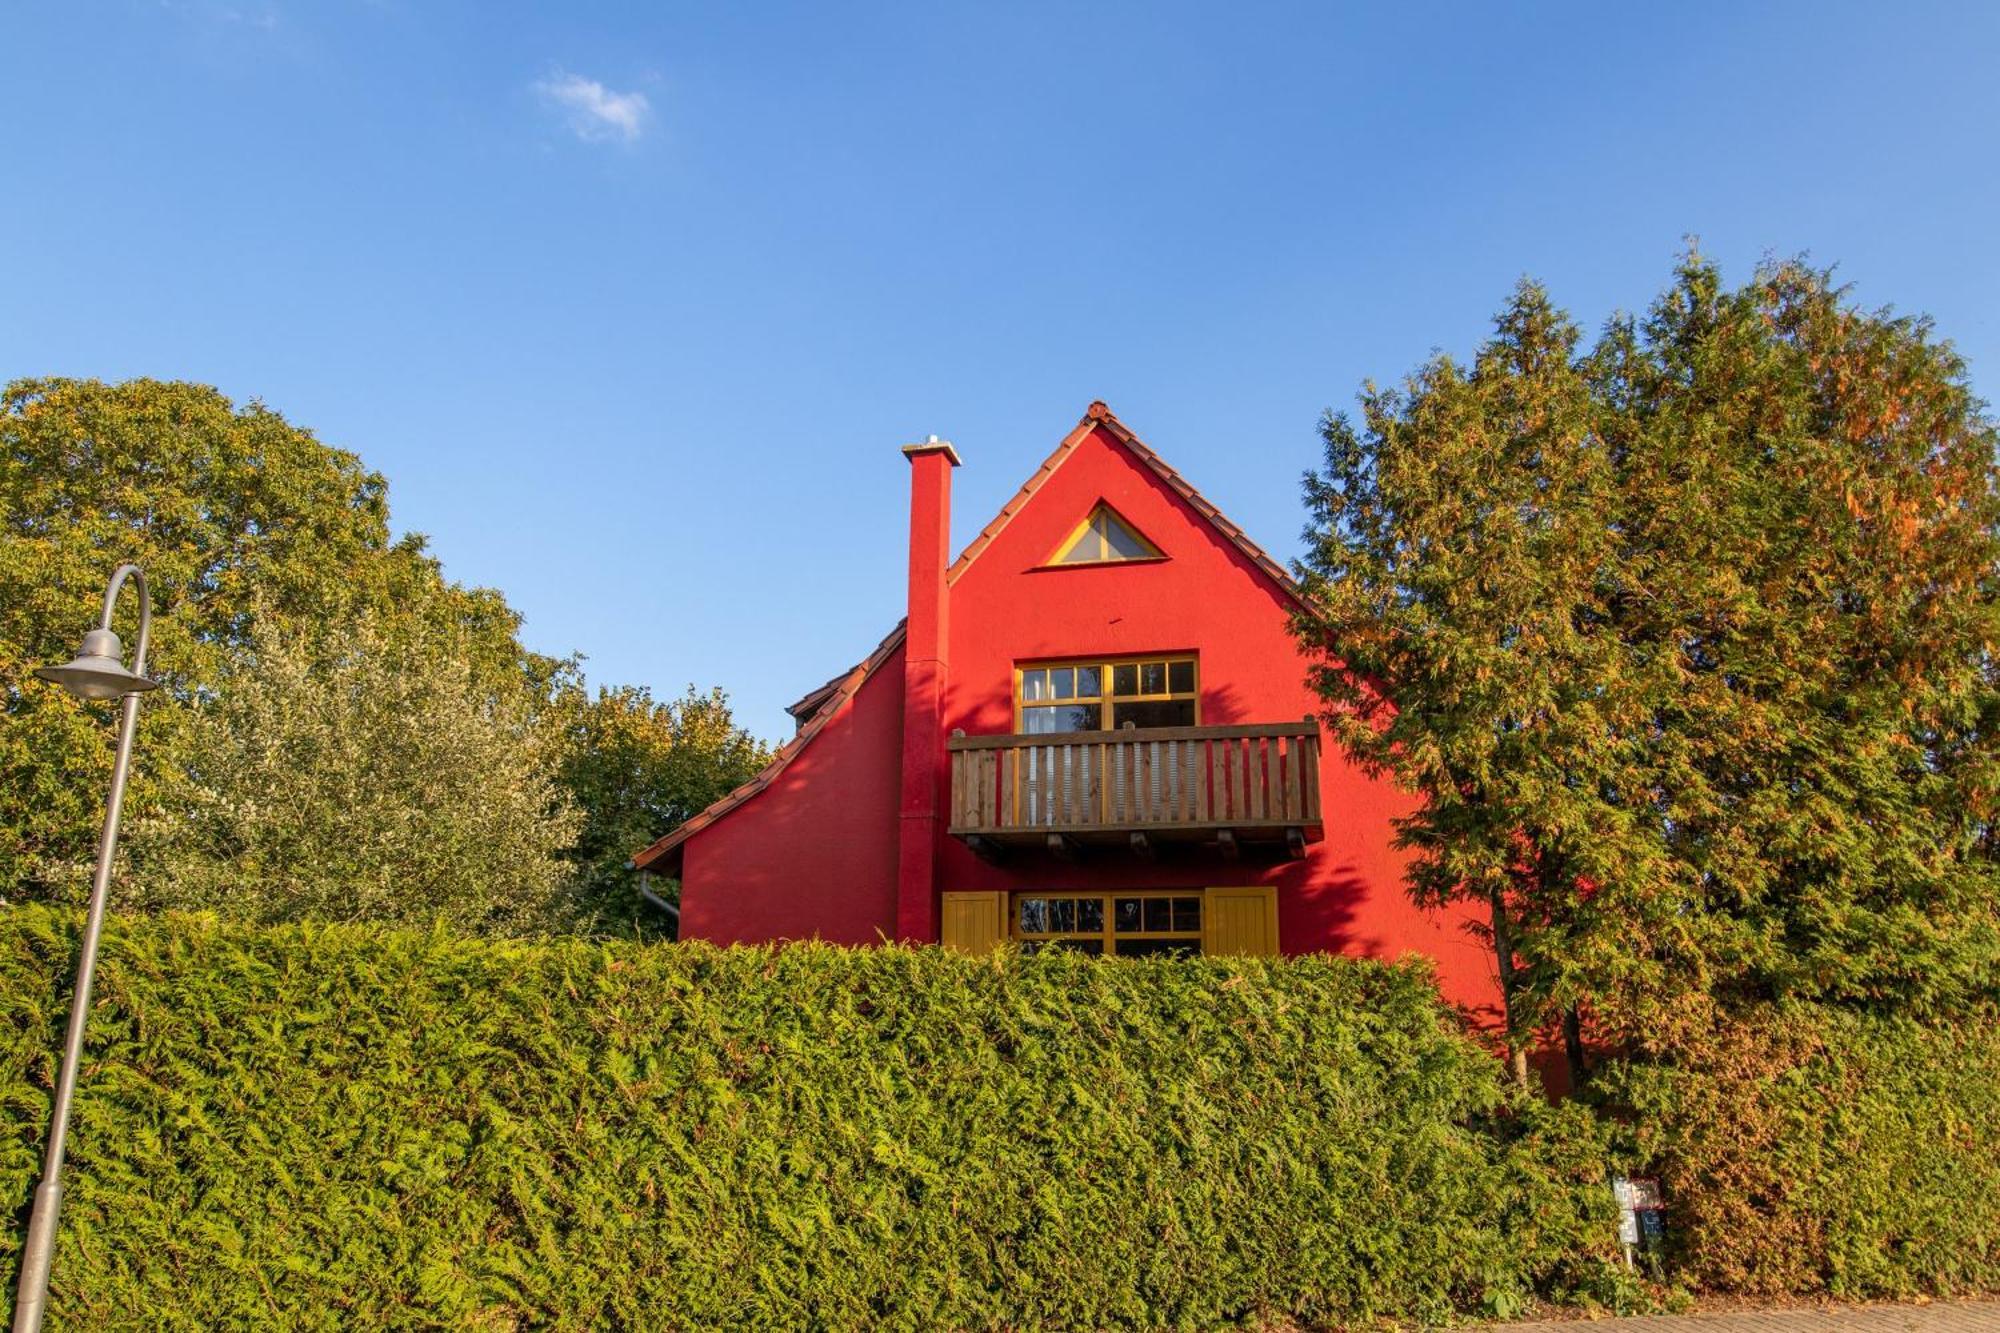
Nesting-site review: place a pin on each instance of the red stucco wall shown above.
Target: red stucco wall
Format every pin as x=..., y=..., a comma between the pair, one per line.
x=816, y=853
x=1210, y=599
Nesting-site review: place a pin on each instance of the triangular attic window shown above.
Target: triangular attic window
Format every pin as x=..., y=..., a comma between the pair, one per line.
x=1104, y=538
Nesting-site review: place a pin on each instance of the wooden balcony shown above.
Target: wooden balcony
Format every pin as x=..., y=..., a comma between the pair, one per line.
x=1139, y=786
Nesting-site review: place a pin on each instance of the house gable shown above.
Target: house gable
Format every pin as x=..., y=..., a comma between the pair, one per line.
x=1102, y=429
x=1210, y=592
x=1100, y=437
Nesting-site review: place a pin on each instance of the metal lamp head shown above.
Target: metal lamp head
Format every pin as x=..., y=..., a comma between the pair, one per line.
x=96, y=671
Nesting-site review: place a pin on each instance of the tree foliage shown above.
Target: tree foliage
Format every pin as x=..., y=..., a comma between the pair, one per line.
x=415, y=716
x=639, y=767
x=1686, y=638
x=238, y=518
x=361, y=772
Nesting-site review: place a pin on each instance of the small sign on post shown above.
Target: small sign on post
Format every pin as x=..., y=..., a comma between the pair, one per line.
x=1641, y=1216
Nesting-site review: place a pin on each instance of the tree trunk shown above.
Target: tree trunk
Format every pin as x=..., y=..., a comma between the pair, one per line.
x=1503, y=951
x=1579, y=1066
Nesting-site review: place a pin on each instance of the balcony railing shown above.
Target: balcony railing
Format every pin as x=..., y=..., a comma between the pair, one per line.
x=1224, y=784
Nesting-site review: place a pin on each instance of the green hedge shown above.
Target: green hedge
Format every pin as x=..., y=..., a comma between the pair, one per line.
x=344, y=1127
x=1810, y=1151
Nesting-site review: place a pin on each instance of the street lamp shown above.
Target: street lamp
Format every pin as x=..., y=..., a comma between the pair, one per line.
x=95, y=673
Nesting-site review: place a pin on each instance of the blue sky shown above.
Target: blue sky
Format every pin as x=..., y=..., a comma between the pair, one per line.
x=634, y=304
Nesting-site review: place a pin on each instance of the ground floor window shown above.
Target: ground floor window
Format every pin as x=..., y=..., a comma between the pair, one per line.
x=1125, y=923
x=1129, y=925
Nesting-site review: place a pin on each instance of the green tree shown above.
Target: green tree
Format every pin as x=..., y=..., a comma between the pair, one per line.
x=240, y=519
x=271, y=561
x=362, y=772
x=1687, y=641
x=638, y=767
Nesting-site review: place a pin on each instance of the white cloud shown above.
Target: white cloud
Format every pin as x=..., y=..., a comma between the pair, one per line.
x=593, y=111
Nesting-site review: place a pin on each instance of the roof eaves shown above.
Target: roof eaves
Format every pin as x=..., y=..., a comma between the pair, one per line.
x=809, y=703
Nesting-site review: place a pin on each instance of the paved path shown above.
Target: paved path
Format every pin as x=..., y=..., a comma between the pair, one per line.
x=1942, y=1317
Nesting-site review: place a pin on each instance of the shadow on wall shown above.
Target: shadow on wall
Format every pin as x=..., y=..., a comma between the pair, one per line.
x=984, y=712
x=1223, y=706
x=1328, y=910
x=1325, y=912
x=1478, y=931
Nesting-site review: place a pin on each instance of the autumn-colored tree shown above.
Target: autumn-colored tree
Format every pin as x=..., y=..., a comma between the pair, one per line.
x=1687, y=640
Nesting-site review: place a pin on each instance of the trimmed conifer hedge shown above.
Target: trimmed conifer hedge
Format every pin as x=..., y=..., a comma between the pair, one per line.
x=346, y=1127
x=1808, y=1150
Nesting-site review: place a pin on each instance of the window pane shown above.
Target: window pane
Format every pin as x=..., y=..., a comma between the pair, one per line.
x=1187, y=914
x=1089, y=546
x=1158, y=948
x=1156, y=713
x=1062, y=683
x=1125, y=679
x=1062, y=914
x=1034, y=915
x=1159, y=914
x=1125, y=914
x=1040, y=721
x=1034, y=685
x=1090, y=914
x=1152, y=678
x=1180, y=677
x=1077, y=717
x=1088, y=684
x=1121, y=544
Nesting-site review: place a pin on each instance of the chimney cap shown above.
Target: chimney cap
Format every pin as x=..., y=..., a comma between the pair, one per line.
x=931, y=446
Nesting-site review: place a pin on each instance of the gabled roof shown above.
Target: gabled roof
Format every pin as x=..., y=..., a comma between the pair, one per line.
x=833, y=697
x=822, y=705
x=1100, y=415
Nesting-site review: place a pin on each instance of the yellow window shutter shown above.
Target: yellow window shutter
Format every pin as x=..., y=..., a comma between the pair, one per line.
x=1240, y=921
x=973, y=923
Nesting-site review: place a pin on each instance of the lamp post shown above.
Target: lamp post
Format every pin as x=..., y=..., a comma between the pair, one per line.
x=95, y=673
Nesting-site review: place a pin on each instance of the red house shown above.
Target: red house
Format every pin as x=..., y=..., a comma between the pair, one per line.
x=1092, y=731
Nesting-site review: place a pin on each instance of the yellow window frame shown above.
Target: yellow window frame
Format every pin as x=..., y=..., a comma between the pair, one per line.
x=1110, y=934
x=1100, y=516
x=1105, y=699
